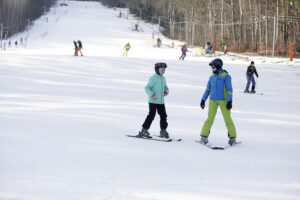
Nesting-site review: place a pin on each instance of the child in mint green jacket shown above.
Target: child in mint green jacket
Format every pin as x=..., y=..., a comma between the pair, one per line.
x=156, y=89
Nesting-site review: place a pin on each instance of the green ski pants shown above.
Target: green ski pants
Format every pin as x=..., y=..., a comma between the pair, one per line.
x=212, y=111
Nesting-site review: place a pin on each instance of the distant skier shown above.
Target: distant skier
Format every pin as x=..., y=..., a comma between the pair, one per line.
x=183, y=52
x=251, y=70
x=159, y=42
x=208, y=48
x=126, y=48
x=76, y=49
x=219, y=89
x=156, y=89
x=79, y=47
x=16, y=43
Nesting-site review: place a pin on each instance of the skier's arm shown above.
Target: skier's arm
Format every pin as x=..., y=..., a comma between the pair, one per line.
x=166, y=89
x=207, y=91
x=228, y=86
x=255, y=72
x=149, y=86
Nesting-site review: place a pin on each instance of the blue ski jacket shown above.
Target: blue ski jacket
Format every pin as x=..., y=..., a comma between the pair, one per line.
x=219, y=87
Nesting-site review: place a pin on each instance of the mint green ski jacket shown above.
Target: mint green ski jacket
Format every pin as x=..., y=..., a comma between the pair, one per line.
x=157, y=85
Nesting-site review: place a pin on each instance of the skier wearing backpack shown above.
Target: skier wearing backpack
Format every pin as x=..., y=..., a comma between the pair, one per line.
x=220, y=90
x=251, y=70
x=156, y=89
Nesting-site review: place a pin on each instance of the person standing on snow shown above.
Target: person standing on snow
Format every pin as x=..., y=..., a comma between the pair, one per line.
x=183, y=51
x=251, y=70
x=126, y=48
x=220, y=90
x=156, y=89
x=79, y=47
x=76, y=49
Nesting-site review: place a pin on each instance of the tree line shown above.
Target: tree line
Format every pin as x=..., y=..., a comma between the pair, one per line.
x=16, y=15
x=262, y=26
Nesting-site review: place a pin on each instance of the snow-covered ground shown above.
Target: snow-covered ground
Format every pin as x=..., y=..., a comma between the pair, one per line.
x=64, y=119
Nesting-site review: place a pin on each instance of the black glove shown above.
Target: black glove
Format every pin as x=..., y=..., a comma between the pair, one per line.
x=202, y=104
x=229, y=105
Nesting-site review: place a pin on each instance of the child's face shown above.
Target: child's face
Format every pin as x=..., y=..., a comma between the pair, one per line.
x=213, y=68
x=161, y=71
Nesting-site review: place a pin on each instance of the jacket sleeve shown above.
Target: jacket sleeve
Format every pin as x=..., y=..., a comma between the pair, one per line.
x=255, y=72
x=207, y=91
x=228, y=86
x=149, y=87
x=166, y=89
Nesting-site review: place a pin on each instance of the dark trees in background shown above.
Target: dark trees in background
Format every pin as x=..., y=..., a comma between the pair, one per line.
x=263, y=26
x=16, y=15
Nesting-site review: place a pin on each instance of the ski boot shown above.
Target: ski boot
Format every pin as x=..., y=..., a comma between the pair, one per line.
x=246, y=91
x=253, y=89
x=164, y=133
x=204, y=140
x=232, y=141
x=144, y=133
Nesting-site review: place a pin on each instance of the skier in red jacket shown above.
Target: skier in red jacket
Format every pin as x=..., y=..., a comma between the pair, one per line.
x=183, y=51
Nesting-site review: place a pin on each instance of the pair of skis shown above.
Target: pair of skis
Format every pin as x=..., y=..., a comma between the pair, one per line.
x=156, y=138
x=209, y=145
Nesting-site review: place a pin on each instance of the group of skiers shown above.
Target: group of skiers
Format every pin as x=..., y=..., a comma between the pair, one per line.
x=15, y=44
x=219, y=89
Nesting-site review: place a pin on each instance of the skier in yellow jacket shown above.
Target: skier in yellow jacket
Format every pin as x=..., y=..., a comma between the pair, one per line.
x=126, y=48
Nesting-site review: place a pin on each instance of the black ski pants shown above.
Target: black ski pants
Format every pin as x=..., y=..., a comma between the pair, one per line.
x=161, y=110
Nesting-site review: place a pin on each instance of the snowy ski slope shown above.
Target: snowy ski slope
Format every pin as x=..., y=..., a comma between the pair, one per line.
x=64, y=119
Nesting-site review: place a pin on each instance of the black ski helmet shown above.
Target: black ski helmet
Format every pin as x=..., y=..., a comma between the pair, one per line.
x=252, y=62
x=159, y=65
x=218, y=63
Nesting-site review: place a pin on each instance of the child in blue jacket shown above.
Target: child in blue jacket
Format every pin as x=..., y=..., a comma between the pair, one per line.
x=220, y=90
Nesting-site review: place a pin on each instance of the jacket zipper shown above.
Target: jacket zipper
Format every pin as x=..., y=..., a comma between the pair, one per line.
x=162, y=89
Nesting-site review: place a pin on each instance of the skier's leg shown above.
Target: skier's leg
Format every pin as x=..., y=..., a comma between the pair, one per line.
x=212, y=111
x=227, y=118
x=248, y=83
x=253, y=81
x=161, y=109
x=163, y=121
x=150, y=117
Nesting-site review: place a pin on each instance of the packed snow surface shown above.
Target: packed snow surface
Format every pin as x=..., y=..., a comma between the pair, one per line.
x=64, y=119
